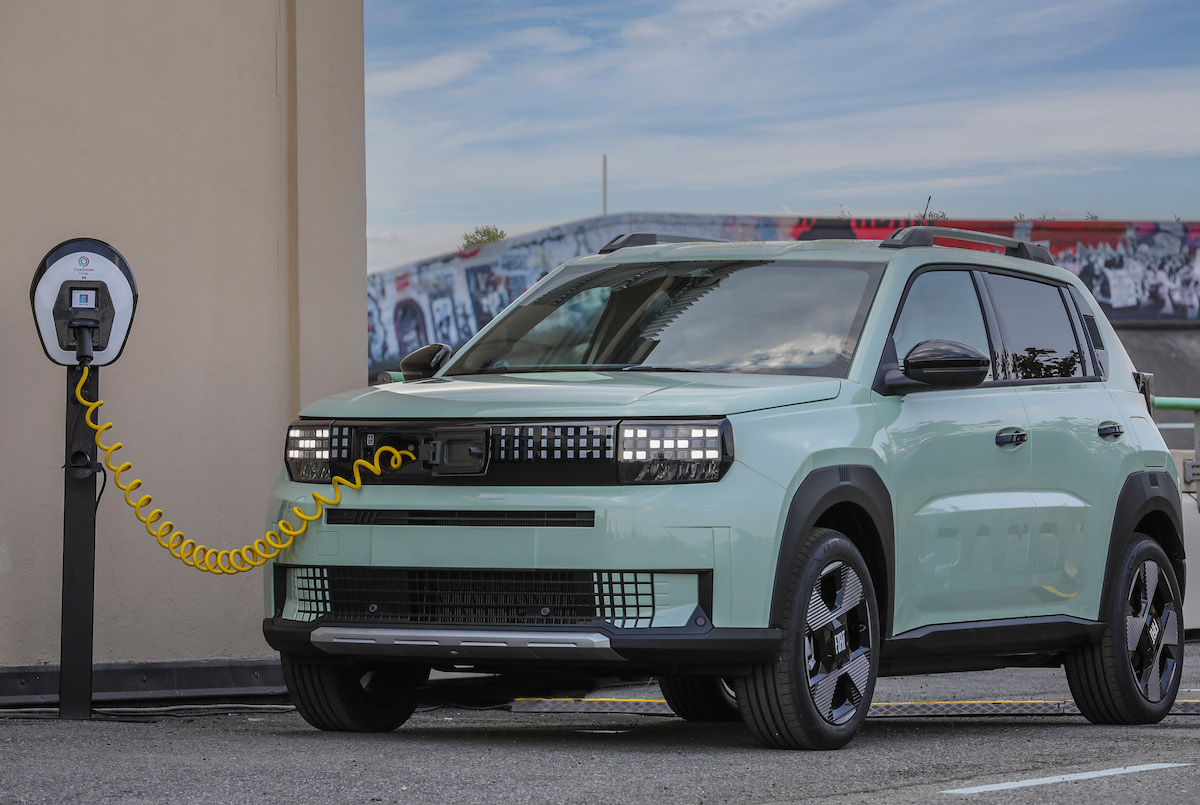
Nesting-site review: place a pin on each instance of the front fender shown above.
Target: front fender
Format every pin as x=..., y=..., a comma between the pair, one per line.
x=854, y=500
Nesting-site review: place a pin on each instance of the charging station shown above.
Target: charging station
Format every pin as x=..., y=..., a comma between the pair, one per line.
x=83, y=298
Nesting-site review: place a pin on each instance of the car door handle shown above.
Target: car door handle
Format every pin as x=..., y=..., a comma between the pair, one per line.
x=1016, y=437
x=1110, y=430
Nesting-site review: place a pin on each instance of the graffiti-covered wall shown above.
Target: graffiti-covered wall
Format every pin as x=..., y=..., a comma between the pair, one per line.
x=1139, y=271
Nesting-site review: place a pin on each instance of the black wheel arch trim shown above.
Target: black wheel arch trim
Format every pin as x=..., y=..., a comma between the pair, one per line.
x=1146, y=493
x=820, y=492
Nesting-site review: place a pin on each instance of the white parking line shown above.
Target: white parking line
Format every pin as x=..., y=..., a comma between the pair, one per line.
x=1065, y=778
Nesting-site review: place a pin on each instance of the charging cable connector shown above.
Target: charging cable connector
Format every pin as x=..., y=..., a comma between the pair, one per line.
x=83, y=326
x=220, y=561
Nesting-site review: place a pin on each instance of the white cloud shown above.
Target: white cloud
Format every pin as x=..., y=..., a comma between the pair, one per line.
x=868, y=186
x=1144, y=114
x=690, y=22
x=740, y=106
x=431, y=73
x=544, y=39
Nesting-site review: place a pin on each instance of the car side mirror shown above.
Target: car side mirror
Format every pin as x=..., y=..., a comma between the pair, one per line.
x=940, y=364
x=425, y=361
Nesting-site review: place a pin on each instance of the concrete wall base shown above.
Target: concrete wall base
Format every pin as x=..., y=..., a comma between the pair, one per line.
x=142, y=683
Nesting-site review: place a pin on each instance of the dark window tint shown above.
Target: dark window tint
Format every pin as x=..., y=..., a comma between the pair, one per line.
x=1093, y=335
x=1093, y=332
x=1039, y=341
x=785, y=318
x=941, y=304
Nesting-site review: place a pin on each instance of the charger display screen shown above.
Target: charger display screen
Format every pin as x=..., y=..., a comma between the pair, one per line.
x=83, y=298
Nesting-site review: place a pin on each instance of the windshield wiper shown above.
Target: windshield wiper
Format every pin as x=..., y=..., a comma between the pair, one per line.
x=521, y=370
x=599, y=367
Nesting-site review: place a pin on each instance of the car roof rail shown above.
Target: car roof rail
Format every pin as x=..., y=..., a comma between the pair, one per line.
x=924, y=235
x=652, y=239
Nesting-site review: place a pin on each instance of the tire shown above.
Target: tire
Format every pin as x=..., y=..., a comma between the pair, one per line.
x=352, y=698
x=1131, y=676
x=700, y=698
x=816, y=692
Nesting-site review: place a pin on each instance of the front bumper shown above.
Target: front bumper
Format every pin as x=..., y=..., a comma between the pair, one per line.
x=661, y=650
x=727, y=531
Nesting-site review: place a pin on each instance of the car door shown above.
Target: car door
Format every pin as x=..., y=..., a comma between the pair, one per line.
x=959, y=470
x=1079, y=451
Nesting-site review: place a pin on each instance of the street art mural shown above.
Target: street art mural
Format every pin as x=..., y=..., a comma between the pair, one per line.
x=1140, y=272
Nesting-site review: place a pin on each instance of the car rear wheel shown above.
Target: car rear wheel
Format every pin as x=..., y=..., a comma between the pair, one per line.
x=1131, y=676
x=700, y=698
x=816, y=692
x=352, y=698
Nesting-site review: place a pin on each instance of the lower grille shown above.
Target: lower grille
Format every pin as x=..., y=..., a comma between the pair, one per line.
x=470, y=597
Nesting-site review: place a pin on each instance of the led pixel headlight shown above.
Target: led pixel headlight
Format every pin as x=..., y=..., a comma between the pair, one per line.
x=311, y=446
x=674, y=452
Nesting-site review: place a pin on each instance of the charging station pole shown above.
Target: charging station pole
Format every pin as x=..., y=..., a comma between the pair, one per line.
x=79, y=554
x=83, y=298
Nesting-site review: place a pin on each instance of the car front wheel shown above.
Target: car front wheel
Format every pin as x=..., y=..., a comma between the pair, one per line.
x=816, y=692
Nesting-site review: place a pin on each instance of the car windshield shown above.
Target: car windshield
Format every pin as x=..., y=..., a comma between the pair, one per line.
x=778, y=317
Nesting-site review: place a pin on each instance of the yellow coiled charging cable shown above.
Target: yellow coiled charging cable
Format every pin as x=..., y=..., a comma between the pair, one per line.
x=238, y=560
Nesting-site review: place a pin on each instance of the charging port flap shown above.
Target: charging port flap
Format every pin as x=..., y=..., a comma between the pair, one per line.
x=458, y=452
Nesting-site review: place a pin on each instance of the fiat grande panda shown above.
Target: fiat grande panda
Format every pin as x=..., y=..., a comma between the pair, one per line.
x=765, y=473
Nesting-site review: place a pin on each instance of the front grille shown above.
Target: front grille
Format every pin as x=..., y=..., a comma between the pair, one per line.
x=552, y=442
x=475, y=597
x=527, y=519
x=470, y=453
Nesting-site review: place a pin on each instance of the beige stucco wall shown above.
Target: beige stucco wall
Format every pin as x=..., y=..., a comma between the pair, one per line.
x=219, y=146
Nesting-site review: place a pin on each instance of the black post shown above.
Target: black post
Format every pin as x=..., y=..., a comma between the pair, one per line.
x=79, y=553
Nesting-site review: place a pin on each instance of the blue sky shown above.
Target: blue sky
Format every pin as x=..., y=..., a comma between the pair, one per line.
x=498, y=112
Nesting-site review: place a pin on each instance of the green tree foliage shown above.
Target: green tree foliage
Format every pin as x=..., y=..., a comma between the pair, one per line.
x=481, y=235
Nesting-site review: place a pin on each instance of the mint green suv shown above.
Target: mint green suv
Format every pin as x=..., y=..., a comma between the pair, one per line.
x=765, y=473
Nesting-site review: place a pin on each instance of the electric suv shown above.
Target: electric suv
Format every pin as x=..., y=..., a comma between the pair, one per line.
x=765, y=473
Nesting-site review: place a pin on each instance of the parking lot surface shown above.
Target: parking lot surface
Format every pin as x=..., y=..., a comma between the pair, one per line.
x=537, y=750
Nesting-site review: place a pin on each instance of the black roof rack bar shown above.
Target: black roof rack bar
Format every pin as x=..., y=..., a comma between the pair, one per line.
x=651, y=239
x=924, y=235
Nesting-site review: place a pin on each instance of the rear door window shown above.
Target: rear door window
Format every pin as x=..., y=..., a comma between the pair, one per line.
x=1039, y=340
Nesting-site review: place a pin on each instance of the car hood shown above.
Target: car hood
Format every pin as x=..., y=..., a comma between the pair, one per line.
x=575, y=395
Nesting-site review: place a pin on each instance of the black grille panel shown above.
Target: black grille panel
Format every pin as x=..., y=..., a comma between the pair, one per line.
x=556, y=453
x=500, y=597
x=552, y=442
x=527, y=519
x=471, y=597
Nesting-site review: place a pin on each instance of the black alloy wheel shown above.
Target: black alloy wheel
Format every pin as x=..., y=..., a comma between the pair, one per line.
x=816, y=692
x=835, y=656
x=1132, y=674
x=1151, y=631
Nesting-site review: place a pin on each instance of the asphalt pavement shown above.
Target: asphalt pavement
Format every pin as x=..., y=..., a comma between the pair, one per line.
x=466, y=746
